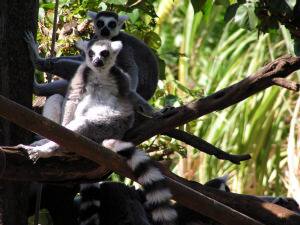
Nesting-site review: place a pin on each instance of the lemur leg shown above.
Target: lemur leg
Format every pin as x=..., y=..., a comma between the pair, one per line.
x=53, y=111
x=79, y=125
x=63, y=67
x=53, y=108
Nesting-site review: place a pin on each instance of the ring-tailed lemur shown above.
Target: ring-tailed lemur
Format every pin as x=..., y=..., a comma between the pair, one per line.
x=156, y=193
x=136, y=58
x=103, y=108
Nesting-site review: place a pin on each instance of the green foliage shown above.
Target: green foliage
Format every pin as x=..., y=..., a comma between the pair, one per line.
x=198, y=5
x=266, y=15
x=213, y=55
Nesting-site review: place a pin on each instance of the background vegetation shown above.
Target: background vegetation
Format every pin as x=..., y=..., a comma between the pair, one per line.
x=201, y=52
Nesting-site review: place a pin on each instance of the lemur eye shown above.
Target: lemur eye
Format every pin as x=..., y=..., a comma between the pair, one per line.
x=100, y=23
x=112, y=24
x=104, y=53
x=91, y=53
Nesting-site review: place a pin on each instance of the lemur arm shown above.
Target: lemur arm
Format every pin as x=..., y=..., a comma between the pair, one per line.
x=63, y=67
x=126, y=62
x=139, y=103
x=50, y=148
x=74, y=94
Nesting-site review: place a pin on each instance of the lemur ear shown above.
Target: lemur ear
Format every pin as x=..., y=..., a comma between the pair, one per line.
x=116, y=46
x=121, y=20
x=92, y=14
x=82, y=45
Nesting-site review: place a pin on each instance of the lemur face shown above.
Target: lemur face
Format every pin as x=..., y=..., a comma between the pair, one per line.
x=106, y=27
x=100, y=54
x=107, y=24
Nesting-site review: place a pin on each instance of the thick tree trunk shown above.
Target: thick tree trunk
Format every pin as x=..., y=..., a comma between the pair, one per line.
x=16, y=83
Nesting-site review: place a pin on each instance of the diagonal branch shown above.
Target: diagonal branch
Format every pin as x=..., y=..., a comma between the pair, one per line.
x=206, y=147
x=280, y=68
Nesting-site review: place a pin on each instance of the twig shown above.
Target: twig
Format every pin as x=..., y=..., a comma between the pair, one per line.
x=206, y=147
x=290, y=85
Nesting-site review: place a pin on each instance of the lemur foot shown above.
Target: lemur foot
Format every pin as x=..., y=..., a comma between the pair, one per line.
x=116, y=145
x=32, y=47
x=157, y=114
x=41, y=151
x=166, y=112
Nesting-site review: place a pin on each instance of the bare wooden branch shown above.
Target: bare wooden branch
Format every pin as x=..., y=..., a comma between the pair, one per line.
x=280, y=68
x=83, y=146
x=290, y=85
x=205, y=146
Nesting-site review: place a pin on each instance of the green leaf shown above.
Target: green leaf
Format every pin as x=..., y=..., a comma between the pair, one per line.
x=171, y=100
x=146, y=6
x=198, y=5
x=116, y=2
x=162, y=68
x=134, y=15
x=230, y=12
x=297, y=46
x=291, y=3
x=222, y=2
x=48, y=6
x=152, y=39
x=245, y=17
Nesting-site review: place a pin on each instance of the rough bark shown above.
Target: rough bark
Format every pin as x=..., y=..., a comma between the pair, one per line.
x=15, y=83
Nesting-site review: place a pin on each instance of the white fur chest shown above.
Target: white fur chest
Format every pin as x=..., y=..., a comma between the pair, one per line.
x=101, y=98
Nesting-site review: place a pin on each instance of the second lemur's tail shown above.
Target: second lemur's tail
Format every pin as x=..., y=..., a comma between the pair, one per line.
x=149, y=176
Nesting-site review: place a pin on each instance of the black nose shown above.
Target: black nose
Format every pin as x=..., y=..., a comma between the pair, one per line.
x=105, y=32
x=98, y=62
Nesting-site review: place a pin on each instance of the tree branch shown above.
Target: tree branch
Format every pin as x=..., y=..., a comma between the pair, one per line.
x=280, y=68
x=206, y=147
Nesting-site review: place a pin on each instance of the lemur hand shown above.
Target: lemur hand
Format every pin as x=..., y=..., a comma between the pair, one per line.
x=157, y=114
x=32, y=47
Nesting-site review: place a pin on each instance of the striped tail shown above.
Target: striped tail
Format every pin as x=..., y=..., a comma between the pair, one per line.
x=149, y=176
x=89, y=204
